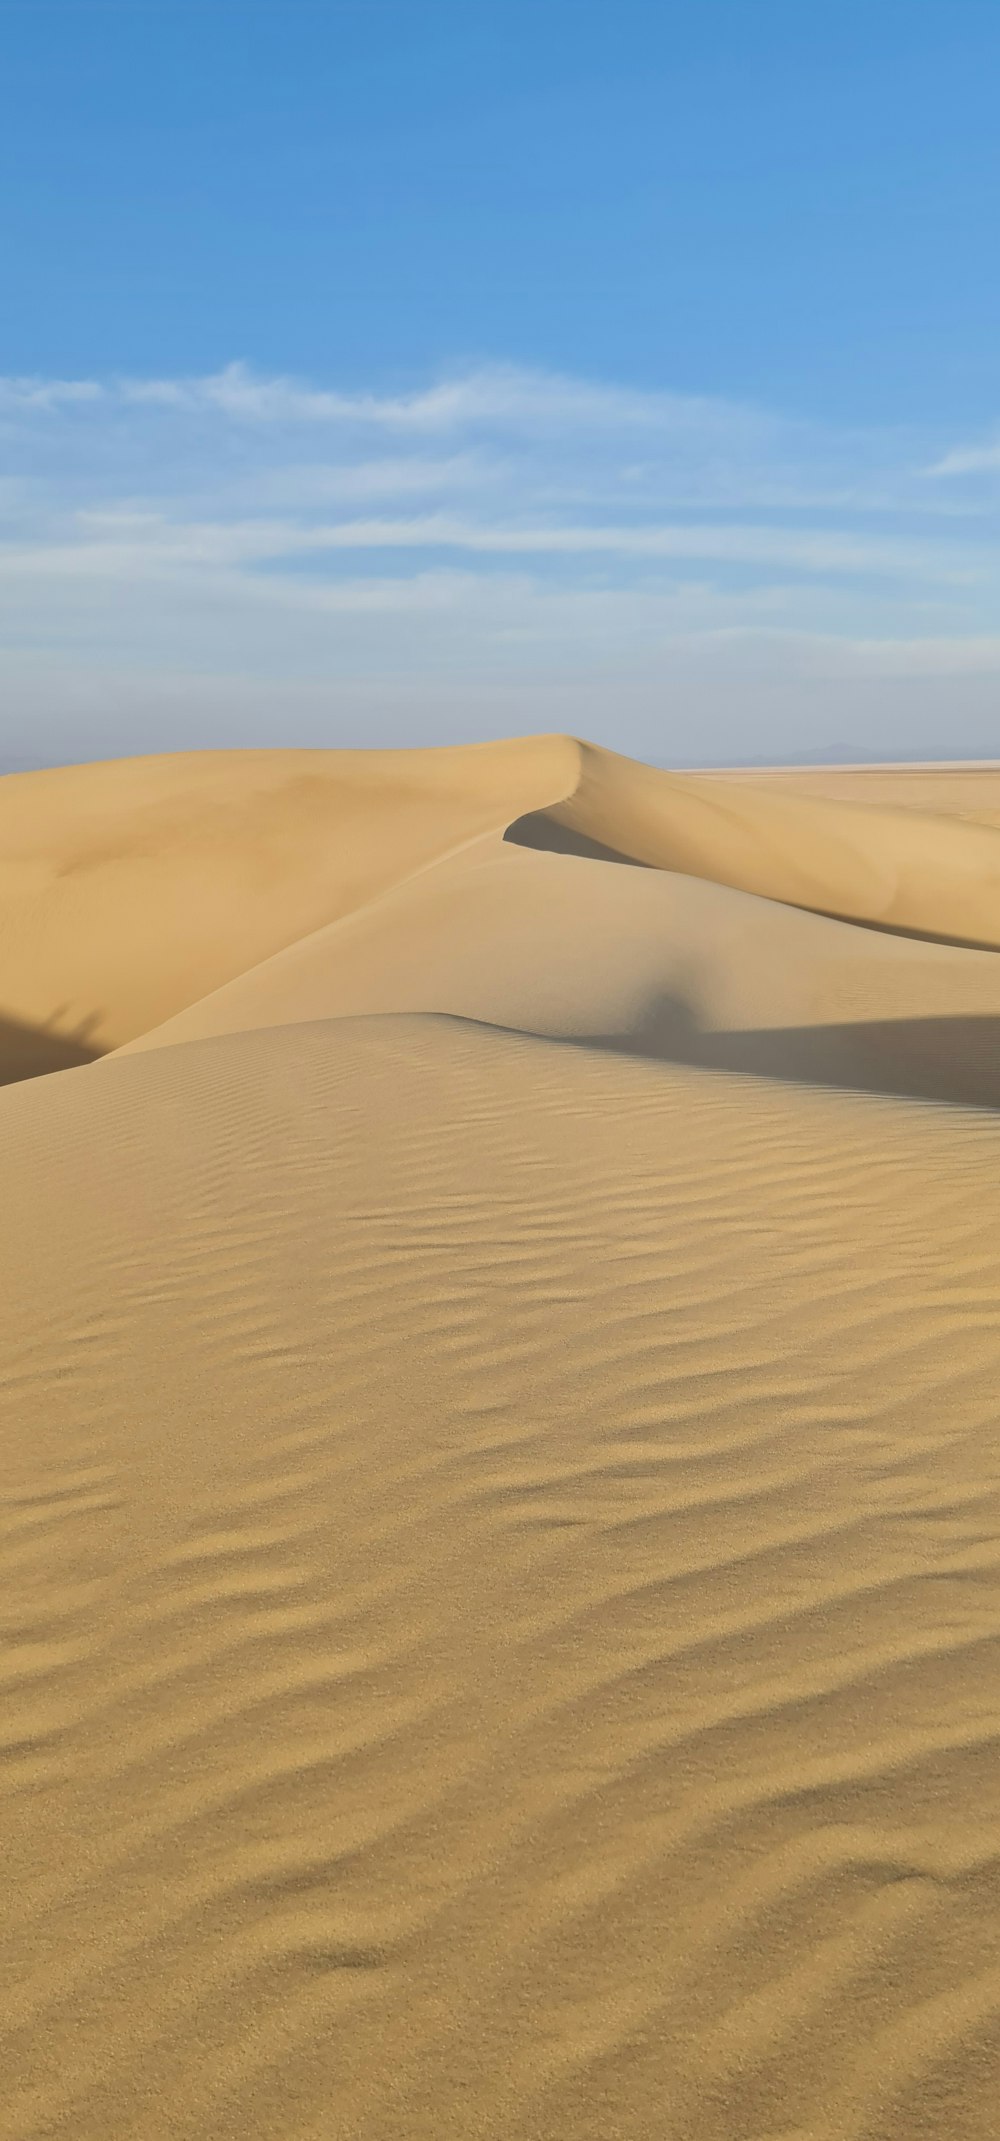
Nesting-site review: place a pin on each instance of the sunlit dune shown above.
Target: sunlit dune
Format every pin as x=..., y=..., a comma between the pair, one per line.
x=500, y=1465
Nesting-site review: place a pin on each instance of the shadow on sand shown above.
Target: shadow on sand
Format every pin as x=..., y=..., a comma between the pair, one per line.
x=33, y=1051
x=945, y=1059
x=952, y=1060
x=538, y=830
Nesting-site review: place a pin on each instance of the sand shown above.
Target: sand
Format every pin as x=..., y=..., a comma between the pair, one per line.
x=500, y=1457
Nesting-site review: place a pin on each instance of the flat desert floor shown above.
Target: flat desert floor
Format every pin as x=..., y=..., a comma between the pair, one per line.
x=500, y=1462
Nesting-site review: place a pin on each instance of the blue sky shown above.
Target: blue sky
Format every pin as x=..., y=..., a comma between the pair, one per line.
x=397, y=372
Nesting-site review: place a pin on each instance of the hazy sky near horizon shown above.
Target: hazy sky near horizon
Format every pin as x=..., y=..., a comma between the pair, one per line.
x=392, y=372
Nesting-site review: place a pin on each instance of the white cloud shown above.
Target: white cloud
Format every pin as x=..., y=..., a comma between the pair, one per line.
x=135, y=543
x=810, y=550
x=18, y=396
x=498, y=533
x=306, y=484
x=489, y=395
x=968, y=460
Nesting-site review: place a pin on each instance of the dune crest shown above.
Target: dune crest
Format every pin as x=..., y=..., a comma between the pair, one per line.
x=924, y=875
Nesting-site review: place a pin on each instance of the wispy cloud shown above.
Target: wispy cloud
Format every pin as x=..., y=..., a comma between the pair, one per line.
x=497, y=523
x=981, y=459
x=493, y=395
x=137, y=542
x=19, y=396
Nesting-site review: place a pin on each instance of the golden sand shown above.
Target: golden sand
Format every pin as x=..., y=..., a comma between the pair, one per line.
x=500, y=1458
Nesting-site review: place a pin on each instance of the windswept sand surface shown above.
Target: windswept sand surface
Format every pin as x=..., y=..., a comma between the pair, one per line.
x=500, y=1463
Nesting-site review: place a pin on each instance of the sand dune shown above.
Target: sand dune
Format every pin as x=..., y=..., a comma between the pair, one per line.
x=647, y=962
x=501, y=1486
x=963, y=789
x=900, y=870
x=131, y=890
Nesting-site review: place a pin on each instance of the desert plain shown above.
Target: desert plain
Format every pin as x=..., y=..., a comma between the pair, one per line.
x=500, y=1449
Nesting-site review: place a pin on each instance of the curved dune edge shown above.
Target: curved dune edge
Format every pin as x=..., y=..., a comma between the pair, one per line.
x=130, y=891
x=903, y=870
x=505, y=1599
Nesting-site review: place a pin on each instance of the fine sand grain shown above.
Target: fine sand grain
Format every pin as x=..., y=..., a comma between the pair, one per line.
x=500, y=1455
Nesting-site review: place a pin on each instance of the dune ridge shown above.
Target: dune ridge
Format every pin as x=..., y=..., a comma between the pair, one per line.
x=499, y=1474
x=131, y=890
x=896, y=870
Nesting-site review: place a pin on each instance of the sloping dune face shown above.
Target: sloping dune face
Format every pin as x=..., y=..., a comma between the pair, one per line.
x=129, y=890
x=892, y=869
x=499, y=1468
